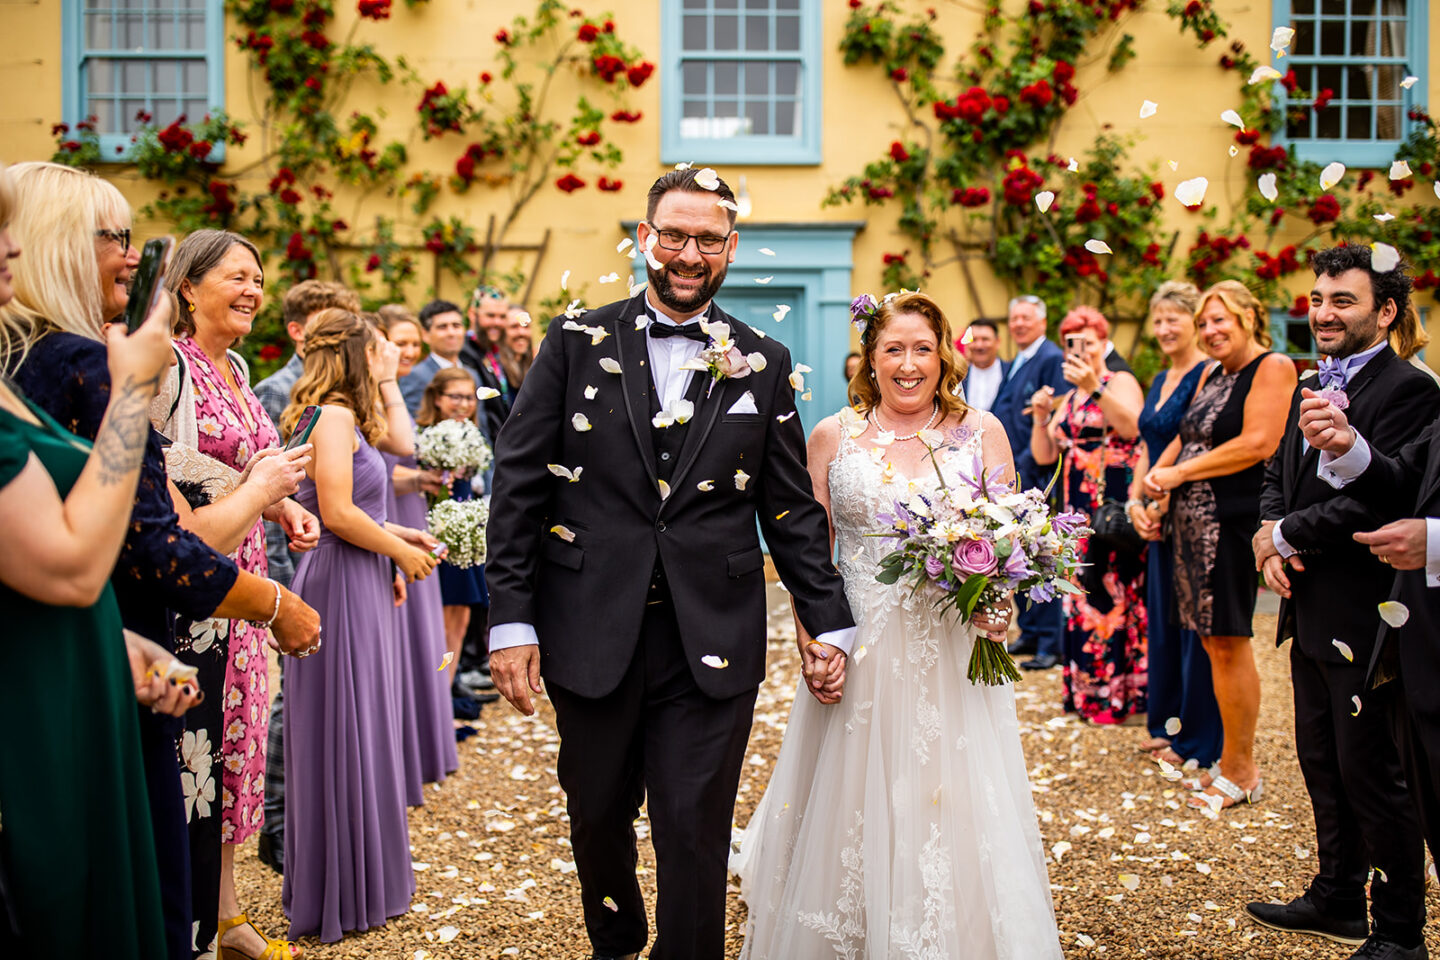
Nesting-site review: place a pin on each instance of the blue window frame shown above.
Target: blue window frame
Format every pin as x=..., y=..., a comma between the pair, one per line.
x=1360, y=50
x=740, y=81
x=121, y=57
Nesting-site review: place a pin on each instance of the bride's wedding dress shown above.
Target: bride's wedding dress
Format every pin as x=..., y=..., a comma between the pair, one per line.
x=898, y=823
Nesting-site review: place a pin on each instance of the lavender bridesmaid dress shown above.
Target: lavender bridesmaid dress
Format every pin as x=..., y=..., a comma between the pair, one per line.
x=428, y=724
x=347, y=838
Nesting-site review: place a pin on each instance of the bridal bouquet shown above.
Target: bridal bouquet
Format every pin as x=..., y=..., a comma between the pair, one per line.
x=460, y=526
x=971, y=544
x=453, y=446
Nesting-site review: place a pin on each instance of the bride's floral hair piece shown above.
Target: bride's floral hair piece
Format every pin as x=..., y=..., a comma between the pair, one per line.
x=864, y=390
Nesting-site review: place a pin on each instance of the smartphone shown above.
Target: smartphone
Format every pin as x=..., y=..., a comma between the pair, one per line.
x=1074, y=345
x=149, y=282
x=304, y=426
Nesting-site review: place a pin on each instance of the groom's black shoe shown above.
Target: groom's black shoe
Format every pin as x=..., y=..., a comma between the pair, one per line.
x=1303, y=915
x=1381, y=947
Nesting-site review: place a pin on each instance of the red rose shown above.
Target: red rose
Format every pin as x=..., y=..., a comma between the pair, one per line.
x=609, y=26
x=894, y=258
x=1289, y=82
x=609, y=67
x=1038, y=94
x=1365, y=177
x=1301, y=306
x=1325, y=209
x=295, y=249
x=1277, y=216
x=972, y=197
x=898, y=153
x=502, y=37
x=587, y=33
x=200, y=149
x=1001, y=104
x=1323, y=98
x=373, y=263
x=1089, y=210
x=608, y=185
x=465, y=168
x=375, y=9
x=435, y=243
x=1247, y=138
x=588, y=139
x=270, y=352
x=899, y=74
x=315, y=39
x=1157, y=190
x=485, y=77
x=289, y=196
x=639, y=73
x=625, y=116
x=175, y=138
x=59, y=129
x=1064, y=72
x=854, y=4
x=1020, y=185
x=312, y=83
x=282, y=6
x=315, y=16
x=1194, y=8
x=569, y=183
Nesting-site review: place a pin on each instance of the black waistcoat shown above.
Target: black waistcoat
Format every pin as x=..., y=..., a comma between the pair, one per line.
x=668, y=441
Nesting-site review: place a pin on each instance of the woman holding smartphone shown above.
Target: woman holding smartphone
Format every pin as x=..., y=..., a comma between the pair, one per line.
x=1096, y=428
x=347, y=842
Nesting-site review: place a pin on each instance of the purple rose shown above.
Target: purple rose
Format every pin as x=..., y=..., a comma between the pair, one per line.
x=934, y=566
x=974, y=556
x=1017, y=567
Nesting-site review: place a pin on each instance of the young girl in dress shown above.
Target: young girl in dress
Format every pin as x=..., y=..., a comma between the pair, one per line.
x=451, y=396
x=347, y=843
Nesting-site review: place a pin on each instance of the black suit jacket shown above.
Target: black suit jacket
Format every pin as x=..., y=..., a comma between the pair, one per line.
x=586, y=598
x=1335, y=597
x=1117, y=364
x=496, y=409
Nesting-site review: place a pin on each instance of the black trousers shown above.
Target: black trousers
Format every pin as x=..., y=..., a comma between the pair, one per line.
x=656, y=734
x=1363, y=813
x=1418, y=729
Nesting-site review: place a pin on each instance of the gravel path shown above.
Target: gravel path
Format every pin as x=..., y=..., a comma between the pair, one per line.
x=495, y=872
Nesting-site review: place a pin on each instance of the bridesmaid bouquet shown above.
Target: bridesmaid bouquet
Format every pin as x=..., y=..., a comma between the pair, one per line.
x=453, y=446
x=460, y=526
x=971, y=544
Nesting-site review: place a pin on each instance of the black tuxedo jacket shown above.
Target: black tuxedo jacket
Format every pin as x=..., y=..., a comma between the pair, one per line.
x=1335, y=597
x=586, y=598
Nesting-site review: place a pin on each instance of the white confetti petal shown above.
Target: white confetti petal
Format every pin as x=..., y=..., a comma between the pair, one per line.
x=786, y=416
x=1355, y=700
x=580, y=422
x=781, y=309
x=1191, y=193
x=1384, y=217
x=1173, y=164
x=705, y=486
x=1384, y=877
x=1203, y=868
x=718, y=663
x=1331, y=175
x=609, y=902
x=1098, y=246
x=1394, y=613
x=664, y=489
x=1233, y=118
x=1267, y=187
x=1409, y=82
x=609, y=277
x=684, y=165
x=1043, y=199
x=624, y=245
x=1437, y=188
x=741, y=478
x=1383, y=257
x=1059, y=849
x=767, y=251
x=707, y=179
x=446, y=934
x=609, y=364
x=564, y=473
x=446, y=660
x=1084, y=940
x=797, y=376
x=1280, y=39
x=757, y=361
x=590, y=392
x=487, y=393
x=1130, y=881
x=1234, y=150
x=1073, y=166
x=565, y=280
x=1399, y=170
x=563, y=532
x=1148, y=108
x=764, y=279
x=727, y=204
x=1172, y=726
x=1265, y=73
x=967, y=337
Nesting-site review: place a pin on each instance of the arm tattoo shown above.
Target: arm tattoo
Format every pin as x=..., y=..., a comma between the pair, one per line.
x=120, y=445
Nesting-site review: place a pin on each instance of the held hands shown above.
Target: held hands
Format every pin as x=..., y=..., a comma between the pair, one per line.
x=149, y=665
x=1080, y=373
x=384, y=360
x=1325, y=426
x=1401, y=544
x=144, y=356
x=516, y=672
x=277, y=472
x=824, y=668
x=1162, y=480
x=1145, y=518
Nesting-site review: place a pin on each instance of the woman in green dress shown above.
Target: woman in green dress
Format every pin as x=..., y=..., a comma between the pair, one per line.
x=77, y=855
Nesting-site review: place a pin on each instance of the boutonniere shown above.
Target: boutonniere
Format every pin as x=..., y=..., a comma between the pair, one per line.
x=721, y=358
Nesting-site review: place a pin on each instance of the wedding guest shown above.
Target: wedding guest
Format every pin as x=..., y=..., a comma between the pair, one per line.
x=987, y=371
x=1403, y=491
x=1213, y=471
x=427, y=711
x=1037, y=363
x=72, y=854
x=301, y=302
x=220, y=283
x=347, y=845
x=451, y=396
x=1178, y=679
x=519, y=351
x=77, y=225
x=852, y=364
x=485, y=349
x=444, y=327
x=1095, y=427
x=1352, y=768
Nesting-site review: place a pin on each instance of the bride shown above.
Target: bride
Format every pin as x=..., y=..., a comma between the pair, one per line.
x=898, y=821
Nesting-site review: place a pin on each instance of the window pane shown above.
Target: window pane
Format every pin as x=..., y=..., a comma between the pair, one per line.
x=694, y=4
x=1329, y=75
x=97, y=31
x=166, y=112
x=1302, y=8
x=694, y=108
x=757, y=4
x=1357, y=123
x=99, y=76
x=1362, y=38
x=104, y=113
x=131, y=30
x=1332, y=38
x=758, y=113
x=757, y=79
x=1304, y=42
x=694, y=33
x=162, y=33
x=785, y=125
x=757, y=32
x=196, y=74
x=787, y=79
x=167, y=78
x=787, y=5
x=1362, y=8
x=195, y=110
x=727, y=78
x=787, y=33
x=1387, y=122
x=695, y=78
x=727, y=108
x=1327, y=124
x=194, y=32
x=1392, y=38
x=132, y=77
x=726, y=4
x=1387, y=81
x=1332, y=8
x=727, y=33
x=1358, y=83
x=1297, y=124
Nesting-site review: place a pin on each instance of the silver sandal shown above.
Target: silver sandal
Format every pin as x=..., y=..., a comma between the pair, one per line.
x=1212, y=805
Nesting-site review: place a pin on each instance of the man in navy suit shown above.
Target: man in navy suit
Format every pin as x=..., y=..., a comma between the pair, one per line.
x=987, y=371
x=1037, y=363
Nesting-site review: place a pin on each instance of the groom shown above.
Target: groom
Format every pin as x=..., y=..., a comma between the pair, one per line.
x=625, y=568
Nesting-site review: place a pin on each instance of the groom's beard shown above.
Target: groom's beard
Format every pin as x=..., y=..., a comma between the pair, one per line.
x=682, y=302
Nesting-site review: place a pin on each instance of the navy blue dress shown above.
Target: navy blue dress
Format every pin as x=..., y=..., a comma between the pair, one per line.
x=163, y=570
x=463, y=586
x=1179, y=675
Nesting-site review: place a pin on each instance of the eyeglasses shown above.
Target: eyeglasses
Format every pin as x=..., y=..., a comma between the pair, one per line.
x=121, y=237
x=675, y=240
x=459, y=397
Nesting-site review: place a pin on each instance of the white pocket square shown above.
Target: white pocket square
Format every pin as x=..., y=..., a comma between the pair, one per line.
x=745, y=404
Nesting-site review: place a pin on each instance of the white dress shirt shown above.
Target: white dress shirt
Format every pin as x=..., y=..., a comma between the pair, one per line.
x=983, y=385
x=667, y=355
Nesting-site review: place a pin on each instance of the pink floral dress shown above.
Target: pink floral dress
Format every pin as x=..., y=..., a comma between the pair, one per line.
x=231, y=434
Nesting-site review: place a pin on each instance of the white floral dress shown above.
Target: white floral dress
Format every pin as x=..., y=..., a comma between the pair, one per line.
x=898, y=823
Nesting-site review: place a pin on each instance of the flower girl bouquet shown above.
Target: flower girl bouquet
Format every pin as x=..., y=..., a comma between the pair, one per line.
x=453, y=446
x=970, y=544
x=460, y=526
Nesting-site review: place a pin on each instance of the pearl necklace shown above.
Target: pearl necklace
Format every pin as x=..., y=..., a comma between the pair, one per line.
x=875, y=419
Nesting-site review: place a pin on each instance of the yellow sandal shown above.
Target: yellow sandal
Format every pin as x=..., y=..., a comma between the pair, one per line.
x=274, y=949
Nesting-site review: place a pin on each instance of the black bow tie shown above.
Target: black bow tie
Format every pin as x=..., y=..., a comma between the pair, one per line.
x=691, y=330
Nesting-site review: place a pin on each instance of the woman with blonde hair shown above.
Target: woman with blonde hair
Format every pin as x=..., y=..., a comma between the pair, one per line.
x=1211, y=475
x=875, y=819
x=347, y=842
x=76, y=229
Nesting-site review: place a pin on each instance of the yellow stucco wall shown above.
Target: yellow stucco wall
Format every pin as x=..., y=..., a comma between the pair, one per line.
x=450, y=40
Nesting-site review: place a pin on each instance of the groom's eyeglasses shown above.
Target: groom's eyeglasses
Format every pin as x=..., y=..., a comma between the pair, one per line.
x=676, y=240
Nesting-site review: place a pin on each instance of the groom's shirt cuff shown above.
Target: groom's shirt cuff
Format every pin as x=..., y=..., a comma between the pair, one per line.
x=1432, y=551
x=1340, y=471
x=844, y=639
x=503, y=636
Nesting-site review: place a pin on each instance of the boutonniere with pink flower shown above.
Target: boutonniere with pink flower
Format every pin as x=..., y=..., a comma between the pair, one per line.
x=721, y=358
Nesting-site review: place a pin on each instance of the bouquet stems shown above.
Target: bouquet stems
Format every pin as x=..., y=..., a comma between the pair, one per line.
x=990, y=663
